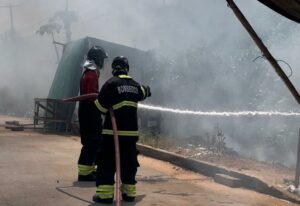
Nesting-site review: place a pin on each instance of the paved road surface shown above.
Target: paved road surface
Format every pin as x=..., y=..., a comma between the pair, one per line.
x=38, y=169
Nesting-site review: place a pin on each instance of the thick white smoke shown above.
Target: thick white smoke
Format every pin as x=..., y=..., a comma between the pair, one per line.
x=203, y=61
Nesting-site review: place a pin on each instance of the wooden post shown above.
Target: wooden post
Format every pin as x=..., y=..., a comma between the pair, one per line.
x=298, y=164
x=263, y=49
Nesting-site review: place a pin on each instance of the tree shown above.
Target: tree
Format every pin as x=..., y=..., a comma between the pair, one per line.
x=50, y=28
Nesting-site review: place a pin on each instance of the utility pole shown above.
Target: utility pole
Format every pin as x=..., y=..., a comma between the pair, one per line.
x=11, y=36
x=67, y=23
x=67, y=17
x=12, y=27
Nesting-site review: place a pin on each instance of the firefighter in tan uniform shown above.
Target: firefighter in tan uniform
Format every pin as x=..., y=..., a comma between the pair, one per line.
x=122, y=94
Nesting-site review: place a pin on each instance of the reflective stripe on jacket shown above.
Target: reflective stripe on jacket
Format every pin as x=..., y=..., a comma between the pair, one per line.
x=122, y=94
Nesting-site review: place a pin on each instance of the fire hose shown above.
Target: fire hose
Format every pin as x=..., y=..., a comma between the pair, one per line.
x=117, y=156
x=116, y=142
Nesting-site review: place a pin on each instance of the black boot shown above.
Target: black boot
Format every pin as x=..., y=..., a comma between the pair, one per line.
x=127, y=198
x=96, y=198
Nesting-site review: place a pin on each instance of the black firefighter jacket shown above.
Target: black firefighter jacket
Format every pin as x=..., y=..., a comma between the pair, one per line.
x=121, y=93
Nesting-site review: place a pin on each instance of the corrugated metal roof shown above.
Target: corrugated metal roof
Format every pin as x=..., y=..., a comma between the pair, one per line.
x=287, y=8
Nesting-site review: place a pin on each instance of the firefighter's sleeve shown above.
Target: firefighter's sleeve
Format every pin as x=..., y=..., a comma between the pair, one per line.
x=103, y=102
x=145, y=92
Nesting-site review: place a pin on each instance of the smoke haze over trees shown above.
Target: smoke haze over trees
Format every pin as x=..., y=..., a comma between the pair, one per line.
x=203, y=61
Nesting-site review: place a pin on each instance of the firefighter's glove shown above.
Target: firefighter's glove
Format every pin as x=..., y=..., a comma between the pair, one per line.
x=148, y=91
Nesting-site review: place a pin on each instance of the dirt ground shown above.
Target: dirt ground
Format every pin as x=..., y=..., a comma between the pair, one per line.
x=252, y=198
x=160, y=183
x=273, y=174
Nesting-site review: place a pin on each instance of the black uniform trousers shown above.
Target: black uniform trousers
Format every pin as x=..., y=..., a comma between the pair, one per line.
x=128, y=158
x=90, y=122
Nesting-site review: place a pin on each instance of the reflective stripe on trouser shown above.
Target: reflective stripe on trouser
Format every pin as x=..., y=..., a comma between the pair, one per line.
x=129, y=190
x=121, y=133
x=128, y=157
x=86, y=169
x=105, y=191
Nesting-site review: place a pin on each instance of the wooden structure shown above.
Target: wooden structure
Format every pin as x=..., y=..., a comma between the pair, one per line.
x=47, y=112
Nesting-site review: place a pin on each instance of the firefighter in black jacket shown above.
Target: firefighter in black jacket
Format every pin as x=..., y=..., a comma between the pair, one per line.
x=90, y=120
x=121, y=93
